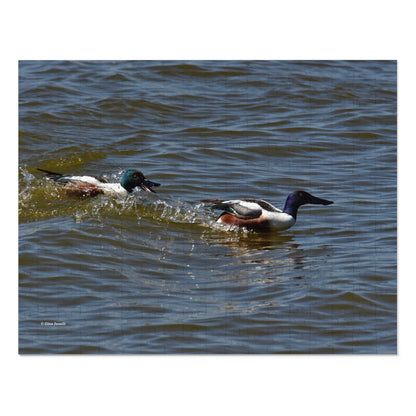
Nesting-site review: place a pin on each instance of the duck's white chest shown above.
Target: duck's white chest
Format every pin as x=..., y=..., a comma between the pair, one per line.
x=113, y=188
x=279, y=220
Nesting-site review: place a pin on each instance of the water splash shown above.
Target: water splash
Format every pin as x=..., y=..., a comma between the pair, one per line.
x=40, y=198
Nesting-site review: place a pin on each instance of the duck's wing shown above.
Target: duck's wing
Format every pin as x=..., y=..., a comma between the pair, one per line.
x=264, y=204
x=53, y=175
x=101, y=179
x=69, y=179
x=238, y=208
x=57, y=177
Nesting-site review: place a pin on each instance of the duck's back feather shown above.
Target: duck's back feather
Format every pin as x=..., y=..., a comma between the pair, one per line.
x=264, y=204
x=84, y=185
x=243, y=208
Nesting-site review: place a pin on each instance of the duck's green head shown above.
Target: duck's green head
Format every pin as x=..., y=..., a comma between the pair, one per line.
x=133, y=178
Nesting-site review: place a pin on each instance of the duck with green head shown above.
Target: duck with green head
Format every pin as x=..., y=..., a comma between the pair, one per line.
x=94, y=185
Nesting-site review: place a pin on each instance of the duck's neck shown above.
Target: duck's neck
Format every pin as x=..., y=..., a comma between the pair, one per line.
x=291, y=207
x=129, y=190
x=126, y=186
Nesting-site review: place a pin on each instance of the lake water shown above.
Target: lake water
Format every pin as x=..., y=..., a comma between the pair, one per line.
x=154, y=273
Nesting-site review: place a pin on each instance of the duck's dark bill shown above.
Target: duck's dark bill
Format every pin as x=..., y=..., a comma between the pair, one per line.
x=147, y=185
x=320, y=201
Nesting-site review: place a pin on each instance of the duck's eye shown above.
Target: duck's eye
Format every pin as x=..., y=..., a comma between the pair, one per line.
x=134, y=175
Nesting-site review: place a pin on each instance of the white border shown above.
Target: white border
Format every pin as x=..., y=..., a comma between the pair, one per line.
x=207, y=385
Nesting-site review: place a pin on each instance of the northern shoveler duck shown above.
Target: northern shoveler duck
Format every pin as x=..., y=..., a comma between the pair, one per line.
x=94, y=185
x=259, y=215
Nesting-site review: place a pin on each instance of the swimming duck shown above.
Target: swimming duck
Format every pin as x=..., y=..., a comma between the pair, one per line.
x=256, y=214
x=94, y=185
